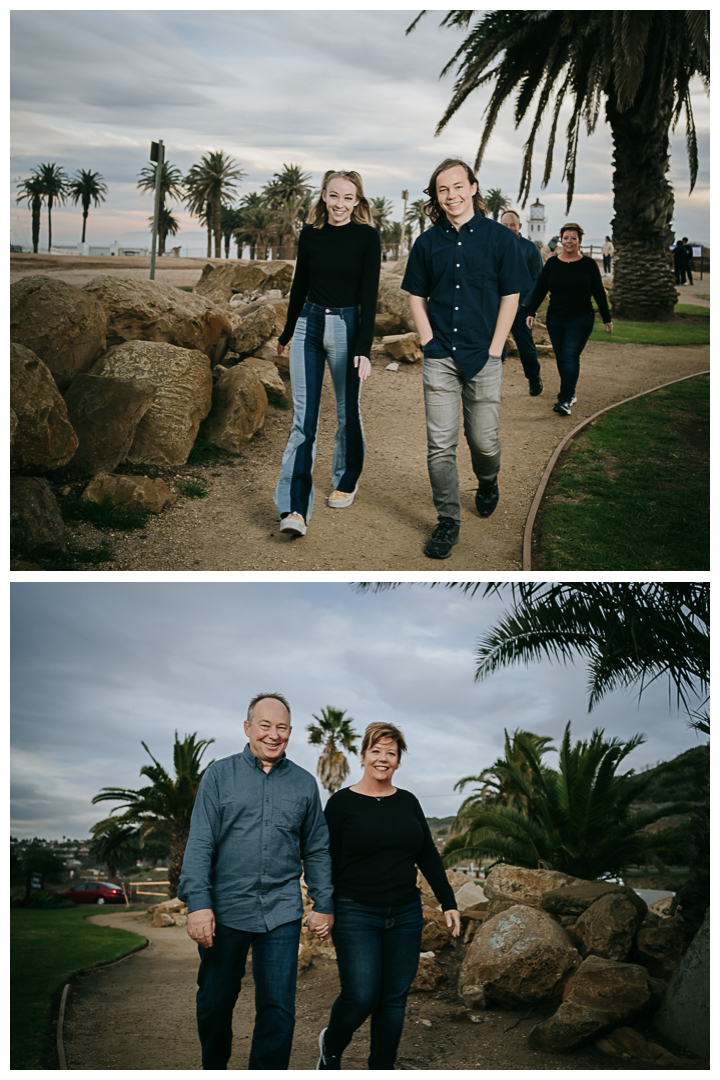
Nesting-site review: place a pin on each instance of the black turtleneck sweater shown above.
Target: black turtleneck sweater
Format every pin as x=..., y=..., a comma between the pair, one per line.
x=337, y=266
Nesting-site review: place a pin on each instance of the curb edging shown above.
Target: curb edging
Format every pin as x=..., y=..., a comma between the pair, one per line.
x=570, y=437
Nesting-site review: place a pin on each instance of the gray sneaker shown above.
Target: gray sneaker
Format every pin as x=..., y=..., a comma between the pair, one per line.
x=327, y=1061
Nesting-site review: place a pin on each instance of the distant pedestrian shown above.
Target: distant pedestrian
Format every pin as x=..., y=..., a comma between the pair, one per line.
x=688, y=259
x=608, y=251
x=572, y=279
x=520, y=330
x=331, y=317
x=680, y=261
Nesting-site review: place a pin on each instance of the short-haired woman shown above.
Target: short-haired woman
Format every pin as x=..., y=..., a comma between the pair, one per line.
x=572, y=279
x=331, y=317
x=378, y=838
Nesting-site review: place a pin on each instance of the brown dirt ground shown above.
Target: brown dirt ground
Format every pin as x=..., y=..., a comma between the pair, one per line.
x=236, y=527
x=117, y=1016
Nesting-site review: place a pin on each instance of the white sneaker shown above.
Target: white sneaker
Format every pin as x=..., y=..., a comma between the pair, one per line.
x=339, y=499
x=294, y=523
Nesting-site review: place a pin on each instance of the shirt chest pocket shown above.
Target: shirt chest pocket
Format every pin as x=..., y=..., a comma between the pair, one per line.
x=291, y=812
x=481, y=271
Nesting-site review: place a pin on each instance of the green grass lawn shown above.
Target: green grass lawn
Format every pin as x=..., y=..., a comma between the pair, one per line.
x=633, y=491
x=46, y=949
x=642, y=333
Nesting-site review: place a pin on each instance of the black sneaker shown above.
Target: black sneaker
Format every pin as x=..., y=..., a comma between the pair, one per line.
x=443, y=539
x=536, y=387
x=327, y=1061
x=562, y=407
x=486, y=497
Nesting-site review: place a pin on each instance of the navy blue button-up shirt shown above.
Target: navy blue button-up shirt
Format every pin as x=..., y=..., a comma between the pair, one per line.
x=533, y=261
x=251, y=835
x=463, y=273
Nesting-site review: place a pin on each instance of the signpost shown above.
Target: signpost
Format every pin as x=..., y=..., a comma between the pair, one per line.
x=157, y=154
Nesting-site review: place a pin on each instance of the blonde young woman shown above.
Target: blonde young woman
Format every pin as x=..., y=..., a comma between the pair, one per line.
x=331, y=317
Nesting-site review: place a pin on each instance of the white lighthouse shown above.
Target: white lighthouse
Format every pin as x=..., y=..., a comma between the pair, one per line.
x=537, y=224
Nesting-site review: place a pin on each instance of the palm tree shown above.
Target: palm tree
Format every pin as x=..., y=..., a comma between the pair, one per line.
x=289, y=194
x=243, y=234
x=54, y=183
x=632, y=633
x=581, y=821
x=641, y=62
x=116, y=845
x=333, y=732
x=496, y=786
x=211, y=182
x=496, y=202
x=230, y=222
x=166, y=804
x=87, y=187
x=260, y=223
x=415, y=214
x=171, y=184
x=381, y=211
x=168, y=224
x=32, y=189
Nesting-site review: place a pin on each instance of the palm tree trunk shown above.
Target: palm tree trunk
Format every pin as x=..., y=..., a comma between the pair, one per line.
x=217, y=227
x=208, y=219
x=36, y=206
x=85, y=217
x=50, y=202
x=643, y=279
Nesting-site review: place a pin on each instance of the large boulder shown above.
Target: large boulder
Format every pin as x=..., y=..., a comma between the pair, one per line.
x=600, y=994
x=105, y=414
x=60, y=323
x=252, y=331
x=388, y=323
x=148, y=311
x=436, y=933
x=524, y=886
x=239, y=404
x=403, y=347
x=469, y=896
x=630, y=1045
x=42, y=436
x=393, y=301
x=429, y=974
x=684, y=1015
x=661, y=948
x=574, y=899
x=244, y=278
x=607, y=928
x=267, y=373
x=133, y=492
x=182, y=381
x=520, y=956
x=35, y=518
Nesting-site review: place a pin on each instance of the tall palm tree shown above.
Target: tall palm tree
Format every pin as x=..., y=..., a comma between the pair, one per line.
x=243, y=234
x=171, y=185
x=210, y=183
x=87, y=187
x=641, y=63
x=168, y=224
x=167, y=803
x=496, y=202
x=334, y=733
x=53, y=182
x=496, y=785
x=381, y=211
x=33, y=191
x=415, y=214
x=230, y=222
x=289, y=194
x=260, y=223
x=581, y=821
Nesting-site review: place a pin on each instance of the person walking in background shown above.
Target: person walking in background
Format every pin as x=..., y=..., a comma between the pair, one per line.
x=572, y=279
x=608, y=251
x=680, y=261
x=688, y=259
x=378, y=839
x=464, y=275
x=256, y=826
x=331, y=318
x=520, y=330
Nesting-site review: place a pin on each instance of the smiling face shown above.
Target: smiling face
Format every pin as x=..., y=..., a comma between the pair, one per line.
x=268, y=731
x=455, y=195
x=570, y=242
x=510, y=219
x=341, y=198
x=381, y=760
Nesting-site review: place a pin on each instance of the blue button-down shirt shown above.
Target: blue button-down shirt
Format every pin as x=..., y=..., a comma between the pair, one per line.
x=251, y=835
x=463, y=273
x=533, y=261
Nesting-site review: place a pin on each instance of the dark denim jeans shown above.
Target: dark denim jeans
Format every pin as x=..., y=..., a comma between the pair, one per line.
x=222, y=967
x=522, y=334
x=378, y=951
x=569, y=337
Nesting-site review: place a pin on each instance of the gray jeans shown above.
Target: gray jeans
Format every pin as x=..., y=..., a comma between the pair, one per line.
x=445, y=387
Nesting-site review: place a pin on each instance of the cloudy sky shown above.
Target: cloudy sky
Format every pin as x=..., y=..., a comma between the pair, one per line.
x=98, y=667
x=321, y=88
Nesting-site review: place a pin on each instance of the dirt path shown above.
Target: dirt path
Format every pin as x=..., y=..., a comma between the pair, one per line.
x=140, y=1014
x=236, y=527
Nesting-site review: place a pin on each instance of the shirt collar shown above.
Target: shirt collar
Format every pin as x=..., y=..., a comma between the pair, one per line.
x=471, y=224
x=256, y=763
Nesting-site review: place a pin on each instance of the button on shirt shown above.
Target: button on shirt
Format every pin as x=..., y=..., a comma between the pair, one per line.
x=251, y=835
x=463, y=273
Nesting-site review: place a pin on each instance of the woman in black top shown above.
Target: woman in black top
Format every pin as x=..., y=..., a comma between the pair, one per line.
x=571, y=278
x=331, y=317
x=378, y=838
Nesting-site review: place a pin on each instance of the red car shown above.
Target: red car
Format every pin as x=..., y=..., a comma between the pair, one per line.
x=95, y=892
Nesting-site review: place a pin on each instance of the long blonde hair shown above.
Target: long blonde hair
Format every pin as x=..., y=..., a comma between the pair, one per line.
x=361, y=215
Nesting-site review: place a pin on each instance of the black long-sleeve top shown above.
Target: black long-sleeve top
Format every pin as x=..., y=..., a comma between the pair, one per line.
x=337, y=266
x=571, y=284
x=376, y=845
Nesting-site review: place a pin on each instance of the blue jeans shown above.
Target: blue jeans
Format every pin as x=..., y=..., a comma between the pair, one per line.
x=378, y=951
x=445, y=388
x=222, y=967
x=522, y=334
x=321, y=334
x=569, y=337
